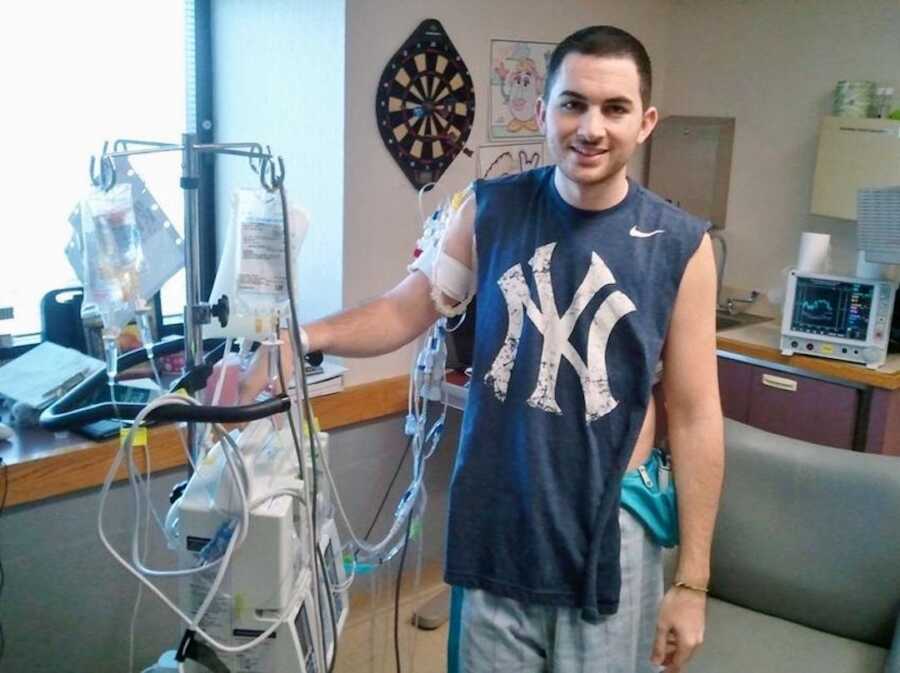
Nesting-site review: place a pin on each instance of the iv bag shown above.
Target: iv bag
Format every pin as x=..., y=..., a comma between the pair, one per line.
x=252, y=269
x=160, y=241
x=112, y=256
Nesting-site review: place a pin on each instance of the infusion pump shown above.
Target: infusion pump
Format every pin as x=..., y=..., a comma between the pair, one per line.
x=838, y=317
x=271, y=573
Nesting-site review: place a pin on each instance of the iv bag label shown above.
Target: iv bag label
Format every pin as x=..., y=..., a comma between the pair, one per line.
x=262, y=256
x=261, y=270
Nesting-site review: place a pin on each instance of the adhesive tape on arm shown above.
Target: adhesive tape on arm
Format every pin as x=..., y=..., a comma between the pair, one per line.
x=425, y=261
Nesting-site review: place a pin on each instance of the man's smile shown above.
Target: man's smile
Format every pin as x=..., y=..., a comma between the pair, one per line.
x=589, y=151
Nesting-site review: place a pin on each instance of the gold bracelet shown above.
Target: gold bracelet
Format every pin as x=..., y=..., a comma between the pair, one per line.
x=685, y=585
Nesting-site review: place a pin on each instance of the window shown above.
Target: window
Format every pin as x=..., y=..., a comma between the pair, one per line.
x=94, y=71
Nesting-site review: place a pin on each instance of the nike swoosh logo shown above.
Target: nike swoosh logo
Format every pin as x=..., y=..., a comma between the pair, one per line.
x=637, y=233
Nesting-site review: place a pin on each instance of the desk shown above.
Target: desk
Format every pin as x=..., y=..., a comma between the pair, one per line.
x=43, y=465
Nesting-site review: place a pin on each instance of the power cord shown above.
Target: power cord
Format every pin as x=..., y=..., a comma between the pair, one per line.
x=397, y=593
x=296, y=343
x=387, y=493
x=402, y=554
x=317, y=557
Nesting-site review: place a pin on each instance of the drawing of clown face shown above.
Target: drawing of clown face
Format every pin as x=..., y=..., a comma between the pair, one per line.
x=521, y=88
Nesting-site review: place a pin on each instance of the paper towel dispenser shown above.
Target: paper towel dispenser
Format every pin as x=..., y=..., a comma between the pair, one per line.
x=690, y=164
x=853, y=154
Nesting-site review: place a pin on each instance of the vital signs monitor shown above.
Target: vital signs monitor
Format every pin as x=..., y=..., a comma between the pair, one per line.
x=839, y=317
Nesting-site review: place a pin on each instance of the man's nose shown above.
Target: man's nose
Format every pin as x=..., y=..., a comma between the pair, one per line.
x=593, y=125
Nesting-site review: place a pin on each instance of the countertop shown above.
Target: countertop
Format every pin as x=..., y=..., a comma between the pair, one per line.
x=42, y=465
x=761, y=341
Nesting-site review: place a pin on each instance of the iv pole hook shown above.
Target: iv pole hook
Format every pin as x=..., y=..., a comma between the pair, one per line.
x=107, y=177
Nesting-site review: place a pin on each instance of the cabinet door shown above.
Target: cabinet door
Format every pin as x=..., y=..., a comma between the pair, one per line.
x=734, y=388
x=803, y=408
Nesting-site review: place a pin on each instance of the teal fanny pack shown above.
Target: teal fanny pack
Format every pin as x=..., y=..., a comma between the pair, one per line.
x=649, y=494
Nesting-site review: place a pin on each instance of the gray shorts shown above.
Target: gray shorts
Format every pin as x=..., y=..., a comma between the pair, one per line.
x=489, y=633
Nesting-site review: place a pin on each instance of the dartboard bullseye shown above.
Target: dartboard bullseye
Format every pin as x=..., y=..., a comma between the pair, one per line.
x=425, y=104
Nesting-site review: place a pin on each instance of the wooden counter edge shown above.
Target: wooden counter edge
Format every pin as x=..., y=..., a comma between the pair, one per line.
x=86, y=466
x=833, y=368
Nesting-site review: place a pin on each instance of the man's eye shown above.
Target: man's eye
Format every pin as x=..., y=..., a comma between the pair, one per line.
x=617, y=109
x=571, y=105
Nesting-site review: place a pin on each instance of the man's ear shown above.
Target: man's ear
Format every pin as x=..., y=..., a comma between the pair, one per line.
x=540, y=113
x=648, y=123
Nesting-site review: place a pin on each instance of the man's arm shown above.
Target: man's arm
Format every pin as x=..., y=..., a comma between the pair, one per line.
x=379, y=326
x=690, y=384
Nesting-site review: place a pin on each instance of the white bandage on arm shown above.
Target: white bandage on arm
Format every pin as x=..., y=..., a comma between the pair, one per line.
x=452, y=277
x=449, y=278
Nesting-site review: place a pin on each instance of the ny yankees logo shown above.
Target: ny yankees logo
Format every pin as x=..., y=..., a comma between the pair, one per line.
x=556, y=330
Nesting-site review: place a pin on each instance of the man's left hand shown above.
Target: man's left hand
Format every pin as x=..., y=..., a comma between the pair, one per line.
x=679, y=629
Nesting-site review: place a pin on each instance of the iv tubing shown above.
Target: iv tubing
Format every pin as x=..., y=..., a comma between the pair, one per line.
x=233, y=543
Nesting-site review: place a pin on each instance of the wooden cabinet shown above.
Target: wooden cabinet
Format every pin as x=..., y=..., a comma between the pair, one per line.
x=790, y=404
x=734, y=388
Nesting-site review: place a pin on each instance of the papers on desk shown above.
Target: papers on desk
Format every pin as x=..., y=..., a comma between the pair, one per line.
x=45, y=373
x=325, y=379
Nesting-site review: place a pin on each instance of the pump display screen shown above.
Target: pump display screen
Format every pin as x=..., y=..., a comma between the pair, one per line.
x=331, y=568
x=832, y=308
x=302, y=625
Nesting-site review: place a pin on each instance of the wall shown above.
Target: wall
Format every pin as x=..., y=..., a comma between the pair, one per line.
x=279, y=69
x=280, y=76
x=773, y=66
x=67, y=605
x=381, y=220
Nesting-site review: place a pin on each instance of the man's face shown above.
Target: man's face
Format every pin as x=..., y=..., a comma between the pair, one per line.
x=594, y=119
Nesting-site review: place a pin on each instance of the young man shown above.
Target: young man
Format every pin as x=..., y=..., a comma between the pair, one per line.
x=585, y=281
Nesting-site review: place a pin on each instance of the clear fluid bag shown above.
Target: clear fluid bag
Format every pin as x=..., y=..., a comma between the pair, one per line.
x=112, y=255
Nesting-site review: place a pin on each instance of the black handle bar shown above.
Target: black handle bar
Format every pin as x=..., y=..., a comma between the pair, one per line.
x=69, y=411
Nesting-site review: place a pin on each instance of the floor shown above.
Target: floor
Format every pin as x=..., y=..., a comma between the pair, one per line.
x=367, y=642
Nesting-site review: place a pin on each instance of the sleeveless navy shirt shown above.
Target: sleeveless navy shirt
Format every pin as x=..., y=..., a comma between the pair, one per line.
x=573, y=309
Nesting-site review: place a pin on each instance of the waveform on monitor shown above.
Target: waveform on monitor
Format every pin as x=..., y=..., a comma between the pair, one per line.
x=818, y=310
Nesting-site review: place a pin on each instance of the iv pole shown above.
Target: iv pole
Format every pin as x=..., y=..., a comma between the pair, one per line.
x=197, y=312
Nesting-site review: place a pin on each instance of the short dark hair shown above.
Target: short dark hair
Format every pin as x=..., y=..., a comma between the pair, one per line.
x=603, y=41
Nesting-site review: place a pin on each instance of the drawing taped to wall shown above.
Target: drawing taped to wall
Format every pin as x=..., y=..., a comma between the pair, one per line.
x=495, y=161
x=517, y=80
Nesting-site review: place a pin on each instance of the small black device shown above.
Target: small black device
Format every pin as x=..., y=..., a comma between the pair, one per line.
x=894, y=344
x=110, y=427
x=461, y=339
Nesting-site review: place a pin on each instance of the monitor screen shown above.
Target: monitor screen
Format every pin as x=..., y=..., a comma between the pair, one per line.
x=834, y=308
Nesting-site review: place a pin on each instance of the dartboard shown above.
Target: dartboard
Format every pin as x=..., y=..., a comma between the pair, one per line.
x=425, y=104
